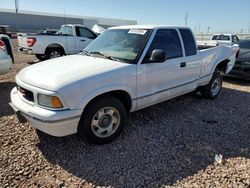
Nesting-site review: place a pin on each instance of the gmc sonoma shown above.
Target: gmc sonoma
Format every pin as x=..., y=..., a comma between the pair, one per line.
x=125, y=69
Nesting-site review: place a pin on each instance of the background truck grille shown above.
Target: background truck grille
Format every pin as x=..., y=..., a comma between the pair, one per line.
x=28, y=95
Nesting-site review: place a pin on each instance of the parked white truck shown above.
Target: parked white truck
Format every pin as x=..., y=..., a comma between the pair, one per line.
x=125, y=69
x=70, y=39
x=221, y=39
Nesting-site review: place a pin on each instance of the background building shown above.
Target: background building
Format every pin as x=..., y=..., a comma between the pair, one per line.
x=28, y=21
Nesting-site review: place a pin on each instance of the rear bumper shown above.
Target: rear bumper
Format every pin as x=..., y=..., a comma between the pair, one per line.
x=55, y=123
x=25, y=50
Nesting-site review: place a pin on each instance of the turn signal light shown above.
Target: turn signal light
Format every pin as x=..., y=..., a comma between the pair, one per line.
x=56, y=103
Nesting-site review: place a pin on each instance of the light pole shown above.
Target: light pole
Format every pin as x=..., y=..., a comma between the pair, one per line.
x=17, y=20
x=186, y=18
x=241, y=32
x=208, y=29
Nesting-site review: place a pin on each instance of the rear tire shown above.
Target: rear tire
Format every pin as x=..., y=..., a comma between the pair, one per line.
x=213, y=88
x=103, y=120
x=52, y=53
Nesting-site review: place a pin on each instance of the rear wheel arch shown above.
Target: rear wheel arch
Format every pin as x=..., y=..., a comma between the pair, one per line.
x=54, y=46
x=222, y=66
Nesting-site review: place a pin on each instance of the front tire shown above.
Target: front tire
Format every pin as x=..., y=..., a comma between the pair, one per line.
x=213, y=88
x=103, y=120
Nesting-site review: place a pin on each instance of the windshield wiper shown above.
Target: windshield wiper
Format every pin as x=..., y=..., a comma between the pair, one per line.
x=104, y=55
x=85, y=52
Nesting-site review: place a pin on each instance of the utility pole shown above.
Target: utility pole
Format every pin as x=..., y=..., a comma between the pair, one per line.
x=199, y=27
x=241, y=32
x=208, y=29
x=186, y=18
x=17, y=20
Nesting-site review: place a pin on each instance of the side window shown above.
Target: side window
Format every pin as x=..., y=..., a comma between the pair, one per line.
x=82, y=32
x=189, y=43
x=169, y=41
x=235, y=39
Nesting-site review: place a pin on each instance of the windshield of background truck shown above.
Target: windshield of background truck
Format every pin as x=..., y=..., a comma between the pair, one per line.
x=221, y=37
x=124, y=45
x=65, y=30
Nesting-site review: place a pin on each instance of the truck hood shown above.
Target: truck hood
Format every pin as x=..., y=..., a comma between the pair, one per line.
x=56, y=73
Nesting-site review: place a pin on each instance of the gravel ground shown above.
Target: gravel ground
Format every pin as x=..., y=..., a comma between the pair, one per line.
x=171, y=144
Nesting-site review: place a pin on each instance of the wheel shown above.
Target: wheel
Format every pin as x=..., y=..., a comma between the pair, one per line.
x=213, y=88
x=103, y=120
x=52, y=53
x=40, y=57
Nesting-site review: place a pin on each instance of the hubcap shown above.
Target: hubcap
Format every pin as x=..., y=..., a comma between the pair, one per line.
x=216, y=86
x=54, y=54
x=105, y=122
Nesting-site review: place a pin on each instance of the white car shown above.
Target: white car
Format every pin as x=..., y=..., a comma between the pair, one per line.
x=70, y=39
x=125, y=69
x=6, y=54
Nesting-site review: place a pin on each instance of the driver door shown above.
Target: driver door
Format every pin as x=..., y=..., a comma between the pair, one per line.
x=84, y=38
x=159, y=81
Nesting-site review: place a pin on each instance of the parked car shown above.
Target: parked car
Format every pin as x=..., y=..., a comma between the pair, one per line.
x=242, y=65
x=125, y=69
x=70, y=39
x=6, y=54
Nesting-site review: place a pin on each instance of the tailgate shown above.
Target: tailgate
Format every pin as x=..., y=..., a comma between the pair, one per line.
x=22, y=40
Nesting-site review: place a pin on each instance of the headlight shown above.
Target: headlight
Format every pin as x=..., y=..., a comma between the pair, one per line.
x=49, y=101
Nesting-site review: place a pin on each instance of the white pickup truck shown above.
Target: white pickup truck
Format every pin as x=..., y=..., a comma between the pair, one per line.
x=6, y=54
x=70, y=39
x=221, y=39
x=125, y=69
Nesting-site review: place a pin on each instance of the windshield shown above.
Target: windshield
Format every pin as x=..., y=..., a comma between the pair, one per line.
x=124, y=45
x=65, y=30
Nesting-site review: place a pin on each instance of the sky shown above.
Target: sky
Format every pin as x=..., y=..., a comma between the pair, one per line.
x=220, y=15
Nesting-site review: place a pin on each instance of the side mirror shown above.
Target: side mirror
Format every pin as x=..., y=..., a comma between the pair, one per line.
x=157, y=56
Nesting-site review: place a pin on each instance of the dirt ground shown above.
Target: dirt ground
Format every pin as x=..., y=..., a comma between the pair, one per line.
x=172, y=144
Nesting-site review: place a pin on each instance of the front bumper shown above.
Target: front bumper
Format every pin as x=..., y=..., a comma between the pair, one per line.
x=55, y=123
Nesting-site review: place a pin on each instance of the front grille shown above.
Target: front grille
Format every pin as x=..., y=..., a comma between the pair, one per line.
x=28, y=95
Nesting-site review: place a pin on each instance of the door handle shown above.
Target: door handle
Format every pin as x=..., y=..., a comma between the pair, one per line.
x=183, y=64
x=83, y=40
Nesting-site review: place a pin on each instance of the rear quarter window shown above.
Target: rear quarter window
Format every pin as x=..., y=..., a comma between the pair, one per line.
x=189, y=42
